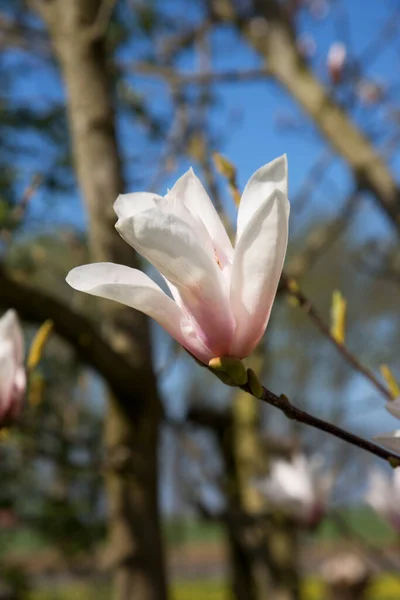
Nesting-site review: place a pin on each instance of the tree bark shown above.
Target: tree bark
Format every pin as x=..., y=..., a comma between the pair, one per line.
x=135, y=550
x=275, y=40
x=263, y=550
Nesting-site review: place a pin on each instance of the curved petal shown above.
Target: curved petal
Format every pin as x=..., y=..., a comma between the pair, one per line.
x=127, y=205
x=135, y=289
x=393, y=406
x=8, y=368
x=267, y=179
x=19, y=387
x=189, y=190
x=171, y=245
x=257, y=266
x=10, y=329
x=389, y=440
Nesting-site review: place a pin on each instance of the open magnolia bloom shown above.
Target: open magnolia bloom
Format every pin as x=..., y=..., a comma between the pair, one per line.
x=391, y=440
x=12, y=371
x=298, y=488
x=222, y=296
x=383, y=495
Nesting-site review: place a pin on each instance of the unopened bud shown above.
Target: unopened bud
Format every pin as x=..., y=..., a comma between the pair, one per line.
x=224, y=166
x=230, y=370
x=336, y=61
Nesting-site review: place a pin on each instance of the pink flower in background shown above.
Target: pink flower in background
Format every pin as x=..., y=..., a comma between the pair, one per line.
x=391, y=440
x=383, y=495
x=336, y=61
x=222, y=296
x=299, y=488
x=12, y=371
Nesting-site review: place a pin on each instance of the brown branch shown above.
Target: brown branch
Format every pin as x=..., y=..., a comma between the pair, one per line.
x=180, y=78
x=296, y=414
x=172, y=45
x=313, y=178
x=286, y=285
x=18, y=212
x=321, y=239
x=99, y=26
x=287, y=66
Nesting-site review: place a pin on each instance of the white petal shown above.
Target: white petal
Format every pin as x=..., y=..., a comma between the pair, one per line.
x=257, y=266
x=270, y=177
x=171, y=245
x=189, y=190
x=389, y=440
x=127, y=205
x=396, y=486
x=393, y=406
x=135, y=289
x=378, y=494
x=10, y=329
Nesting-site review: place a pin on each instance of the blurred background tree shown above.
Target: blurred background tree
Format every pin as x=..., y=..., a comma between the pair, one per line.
x=122, y=430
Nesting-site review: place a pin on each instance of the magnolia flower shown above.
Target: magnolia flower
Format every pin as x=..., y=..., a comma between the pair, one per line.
x=12, y=372
x=222, y=296
x=346, y=572
x=383, y=495
x=391, y=440
x=336, y=61
x=298, y=488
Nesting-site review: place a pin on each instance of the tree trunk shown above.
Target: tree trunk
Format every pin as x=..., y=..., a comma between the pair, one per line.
x=263, y=551
x=135, y=549
x=274, y=39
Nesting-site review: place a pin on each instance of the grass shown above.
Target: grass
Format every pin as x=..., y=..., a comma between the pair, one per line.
x=386, y=587
x=361, y=520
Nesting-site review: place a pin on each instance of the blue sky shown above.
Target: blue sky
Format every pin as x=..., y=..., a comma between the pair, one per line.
x=245, y=117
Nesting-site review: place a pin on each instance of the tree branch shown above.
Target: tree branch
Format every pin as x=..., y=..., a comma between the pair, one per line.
x=36, y=306
x=287, y=66
x=181, y=78
x=301, y=416
x=306, y=304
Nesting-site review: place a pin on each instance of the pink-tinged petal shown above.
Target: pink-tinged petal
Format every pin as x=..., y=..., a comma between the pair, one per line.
x=267, y=179
x=8, y=368
x=174, y=248
x=389, y=440
x=257, y=266
x=10, y=329
x=18, y=392
x=190, y=191
x=394, y=407
x=135, y=289
x=127, y=205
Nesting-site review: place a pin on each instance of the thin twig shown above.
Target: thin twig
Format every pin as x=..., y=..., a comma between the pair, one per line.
x=296, y=414
x=322, y=237
x=312, y=312
x=201, y=78
x=19, y=211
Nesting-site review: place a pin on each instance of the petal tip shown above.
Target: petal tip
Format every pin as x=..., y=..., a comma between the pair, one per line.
x=78, y=278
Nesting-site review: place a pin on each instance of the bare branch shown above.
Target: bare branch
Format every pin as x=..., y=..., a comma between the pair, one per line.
x=99, y=27
x=36, y=306
x=321, y=239
x=306, y=304
x=278, y=46
x=172, y=76
x=301, y=416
